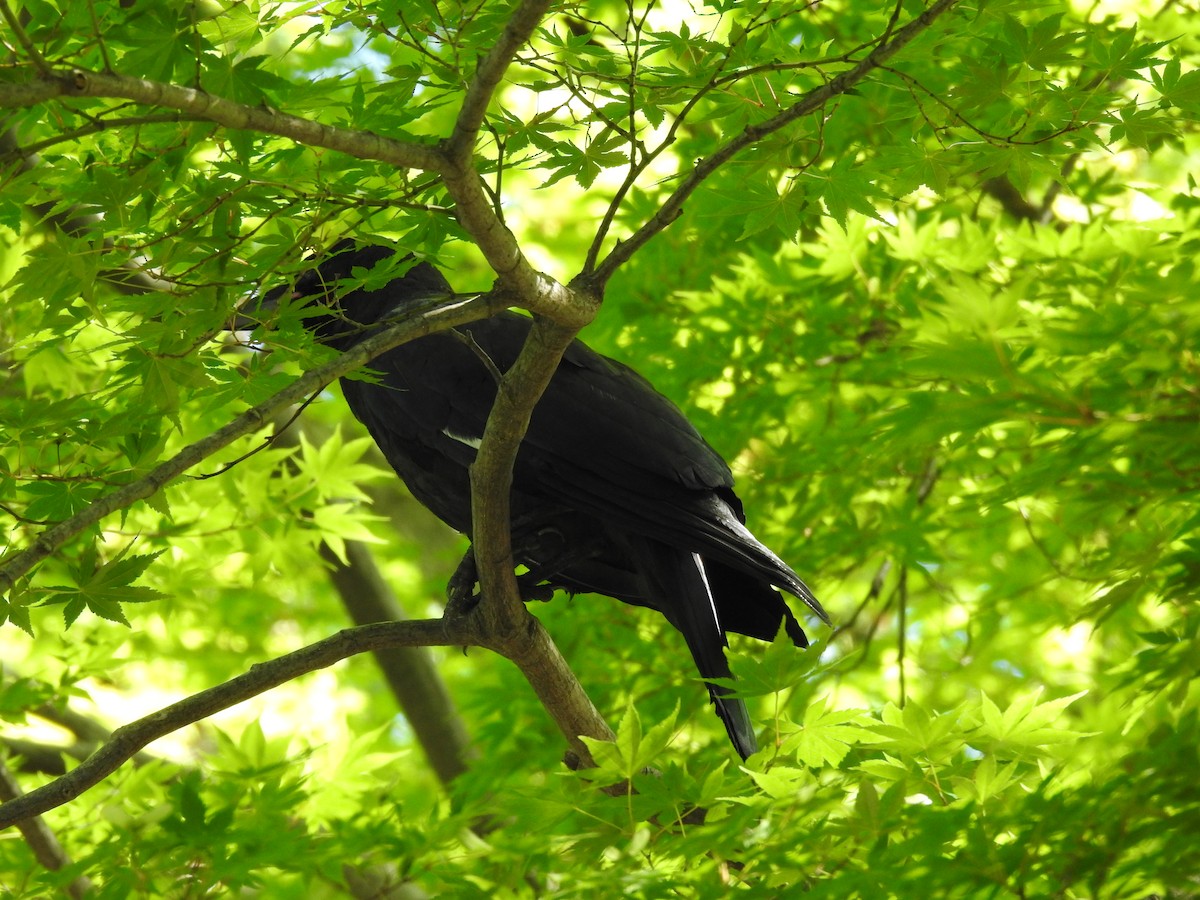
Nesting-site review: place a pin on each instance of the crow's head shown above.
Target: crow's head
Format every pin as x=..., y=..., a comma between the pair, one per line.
x=353, y=287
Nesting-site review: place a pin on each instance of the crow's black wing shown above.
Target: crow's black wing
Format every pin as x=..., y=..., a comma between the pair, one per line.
x=602, y=439
x=424, y=406
x=601, y=442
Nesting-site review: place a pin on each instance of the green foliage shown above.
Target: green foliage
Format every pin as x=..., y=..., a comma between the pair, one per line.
x=945, y=329
x=102, y=588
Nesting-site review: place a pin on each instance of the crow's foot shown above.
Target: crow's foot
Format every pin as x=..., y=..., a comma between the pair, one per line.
x=461, y=598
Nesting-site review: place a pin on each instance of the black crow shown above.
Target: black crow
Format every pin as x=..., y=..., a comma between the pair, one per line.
x=614, y=491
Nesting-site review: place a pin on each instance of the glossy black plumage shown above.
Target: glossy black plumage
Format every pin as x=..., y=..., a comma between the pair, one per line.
x=614, y=491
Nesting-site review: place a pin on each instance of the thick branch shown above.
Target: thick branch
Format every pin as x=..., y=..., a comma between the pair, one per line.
x=128, y=739
x=360, y=144
x=460, y=148
x=425, y=318
x=519, y=636
x=508, y=626
x=809, y=103
x=473, y=207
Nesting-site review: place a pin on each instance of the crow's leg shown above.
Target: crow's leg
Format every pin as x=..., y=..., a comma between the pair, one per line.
x=460, y=589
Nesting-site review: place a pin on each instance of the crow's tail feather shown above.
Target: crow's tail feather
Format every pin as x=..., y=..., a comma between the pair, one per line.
x=677, y=581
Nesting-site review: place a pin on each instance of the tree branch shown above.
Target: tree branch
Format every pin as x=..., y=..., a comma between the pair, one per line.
x=84, y=83
x=262, y=677
x=672, y=207
x=504, y=622
x=460, y=147
x=419, y=320
x=519, y=636
x=476, y=213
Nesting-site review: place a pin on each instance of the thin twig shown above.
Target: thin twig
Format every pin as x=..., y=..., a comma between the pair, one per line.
x=268, y=441
x=108, y=67
x=672, y=207
x=14, y=25
x=482, y=355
